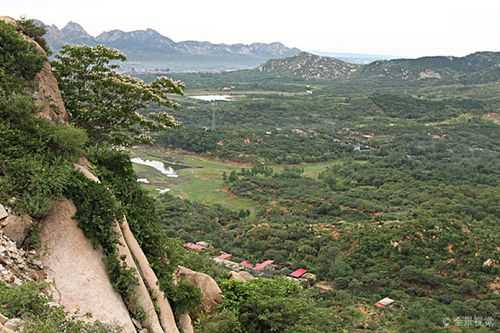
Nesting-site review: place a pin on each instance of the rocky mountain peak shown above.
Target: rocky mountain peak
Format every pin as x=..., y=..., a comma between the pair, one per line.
x=310, y=67
x=74, y=29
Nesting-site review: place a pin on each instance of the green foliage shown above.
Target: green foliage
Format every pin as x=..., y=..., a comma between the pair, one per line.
x=33, y=30
x=186, y=297
x=221, y=322
x=20, y=61
x=29, y=303
x=275, y=305
x=97, y=213
x=164, y=254
x=405, y=210
x=35, y=156
x=105, y=102
x=26, y=299
x=423, y=109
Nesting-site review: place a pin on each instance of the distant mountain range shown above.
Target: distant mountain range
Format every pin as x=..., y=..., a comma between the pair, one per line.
x=478, y=67
x=148, y=49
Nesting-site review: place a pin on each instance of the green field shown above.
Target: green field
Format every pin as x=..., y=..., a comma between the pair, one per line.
x=200, y=178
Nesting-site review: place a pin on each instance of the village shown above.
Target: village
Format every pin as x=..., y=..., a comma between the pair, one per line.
x=266, y=268
x=243, y=270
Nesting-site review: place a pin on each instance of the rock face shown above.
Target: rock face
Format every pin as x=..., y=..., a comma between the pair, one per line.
x=3, y=212
x=185, y=323
x=16, y=265
x=49, y=97
x=161, y=304
x=46, y=88
x=16, y=227
x=83, y=166
x=15, y=324
x=77, y=270
x=210, y=291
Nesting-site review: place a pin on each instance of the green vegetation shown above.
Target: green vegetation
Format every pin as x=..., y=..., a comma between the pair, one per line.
x=36, y=169
x=164, y=254
x=105, y=102
x=29, y=303
x=200, y=179
x=376, y=191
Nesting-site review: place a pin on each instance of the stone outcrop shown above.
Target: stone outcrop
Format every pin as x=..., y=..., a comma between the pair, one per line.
x=164, y=311
x=242, y=276
x=48, y=96
x=83, y=166
x=14, y=324
x=3, y=212
x=185, y=323
x=210, y=291
x=16, y=265
x=46, y=88
x=147, y=295
x=8, y=20
x=142, y=299
x=77, y=270
x=4, y=329
x=16, y=227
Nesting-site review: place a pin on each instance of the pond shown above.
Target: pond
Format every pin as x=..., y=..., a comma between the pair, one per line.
x=157, y=165
x=213, y=98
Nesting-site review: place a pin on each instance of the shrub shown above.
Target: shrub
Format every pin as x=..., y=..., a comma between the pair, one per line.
x=34, y=30
x=19, y=58
x=186, y=297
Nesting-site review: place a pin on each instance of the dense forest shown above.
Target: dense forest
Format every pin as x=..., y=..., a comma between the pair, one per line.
x=404, y=206
x=407, y=209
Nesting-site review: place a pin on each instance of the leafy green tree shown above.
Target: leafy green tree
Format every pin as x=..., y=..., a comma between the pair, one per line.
x=34, y=30
x=108, y=104
x=326, y=262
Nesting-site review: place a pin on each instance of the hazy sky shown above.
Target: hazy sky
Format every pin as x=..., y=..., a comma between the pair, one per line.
x=391, y=27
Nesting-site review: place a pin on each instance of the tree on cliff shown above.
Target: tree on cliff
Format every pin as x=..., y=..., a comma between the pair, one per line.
x=106, y=103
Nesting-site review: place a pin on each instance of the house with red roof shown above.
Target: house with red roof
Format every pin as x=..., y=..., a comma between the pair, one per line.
x=298, y=273
x=194, y=247
x=263, y=265
x=247, y=264
x=224, y=256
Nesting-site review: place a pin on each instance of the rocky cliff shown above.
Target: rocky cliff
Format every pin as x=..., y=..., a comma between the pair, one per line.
x=73, y=265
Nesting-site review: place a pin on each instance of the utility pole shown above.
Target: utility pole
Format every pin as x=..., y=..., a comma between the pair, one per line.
x=213, y=116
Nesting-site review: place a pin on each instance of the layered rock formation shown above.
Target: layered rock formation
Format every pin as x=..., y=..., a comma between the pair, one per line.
x=77, y=270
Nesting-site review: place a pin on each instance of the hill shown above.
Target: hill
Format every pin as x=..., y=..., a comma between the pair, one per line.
x=477, y=67
x=310, y=67
x=148, y=49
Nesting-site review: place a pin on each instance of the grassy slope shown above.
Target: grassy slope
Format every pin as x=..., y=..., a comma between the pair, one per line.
x=200, y=178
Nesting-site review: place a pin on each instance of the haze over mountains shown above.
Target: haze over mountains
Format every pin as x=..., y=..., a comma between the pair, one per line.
x=479, y=67
x=148, y=49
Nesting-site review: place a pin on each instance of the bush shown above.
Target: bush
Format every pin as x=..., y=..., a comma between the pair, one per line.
x=221, y=322
x=35, y=156
x=19, y=59
x=32, y=29
x=186, y=297
x=30, y=304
